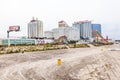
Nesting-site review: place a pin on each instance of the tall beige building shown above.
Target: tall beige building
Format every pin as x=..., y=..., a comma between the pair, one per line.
x=35, y=29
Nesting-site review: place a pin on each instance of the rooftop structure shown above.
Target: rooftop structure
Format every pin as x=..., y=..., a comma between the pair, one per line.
x=62, y=24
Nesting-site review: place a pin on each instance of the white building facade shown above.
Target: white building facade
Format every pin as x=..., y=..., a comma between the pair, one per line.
x=71, y=33
x=35, y=29
x=48, y=34
x=58, y=32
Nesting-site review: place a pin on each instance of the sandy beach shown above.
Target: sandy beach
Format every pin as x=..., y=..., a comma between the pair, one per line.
x=94, y=63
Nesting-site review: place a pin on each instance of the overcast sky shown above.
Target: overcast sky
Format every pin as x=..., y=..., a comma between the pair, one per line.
x=20, y=12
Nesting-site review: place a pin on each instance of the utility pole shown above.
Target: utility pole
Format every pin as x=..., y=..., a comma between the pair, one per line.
x=8, y=38
x=8, y=34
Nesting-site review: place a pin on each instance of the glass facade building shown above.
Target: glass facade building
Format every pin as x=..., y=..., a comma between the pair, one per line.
x=96, y=27
x=84, y=28
x=17, y=41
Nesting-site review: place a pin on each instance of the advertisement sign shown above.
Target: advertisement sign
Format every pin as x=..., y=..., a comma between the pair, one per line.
x=14, y=28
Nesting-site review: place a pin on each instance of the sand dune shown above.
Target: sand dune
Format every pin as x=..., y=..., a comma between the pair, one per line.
x=77, y=64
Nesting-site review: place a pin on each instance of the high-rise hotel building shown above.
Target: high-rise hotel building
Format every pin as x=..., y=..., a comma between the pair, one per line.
x=35, y=29
x=85, y=29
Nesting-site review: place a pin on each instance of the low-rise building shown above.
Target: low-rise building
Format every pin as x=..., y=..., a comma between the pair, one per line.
x=48, y=34
x=71, y=33
x=20, y=41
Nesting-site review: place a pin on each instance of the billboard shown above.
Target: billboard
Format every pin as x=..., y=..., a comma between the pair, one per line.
x=14, y=28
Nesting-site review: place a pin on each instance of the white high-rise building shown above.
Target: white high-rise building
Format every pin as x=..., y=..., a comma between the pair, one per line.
x=72, y=33
x=35, y=28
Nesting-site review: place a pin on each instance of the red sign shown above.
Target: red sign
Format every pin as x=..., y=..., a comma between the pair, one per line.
x=14, y=28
